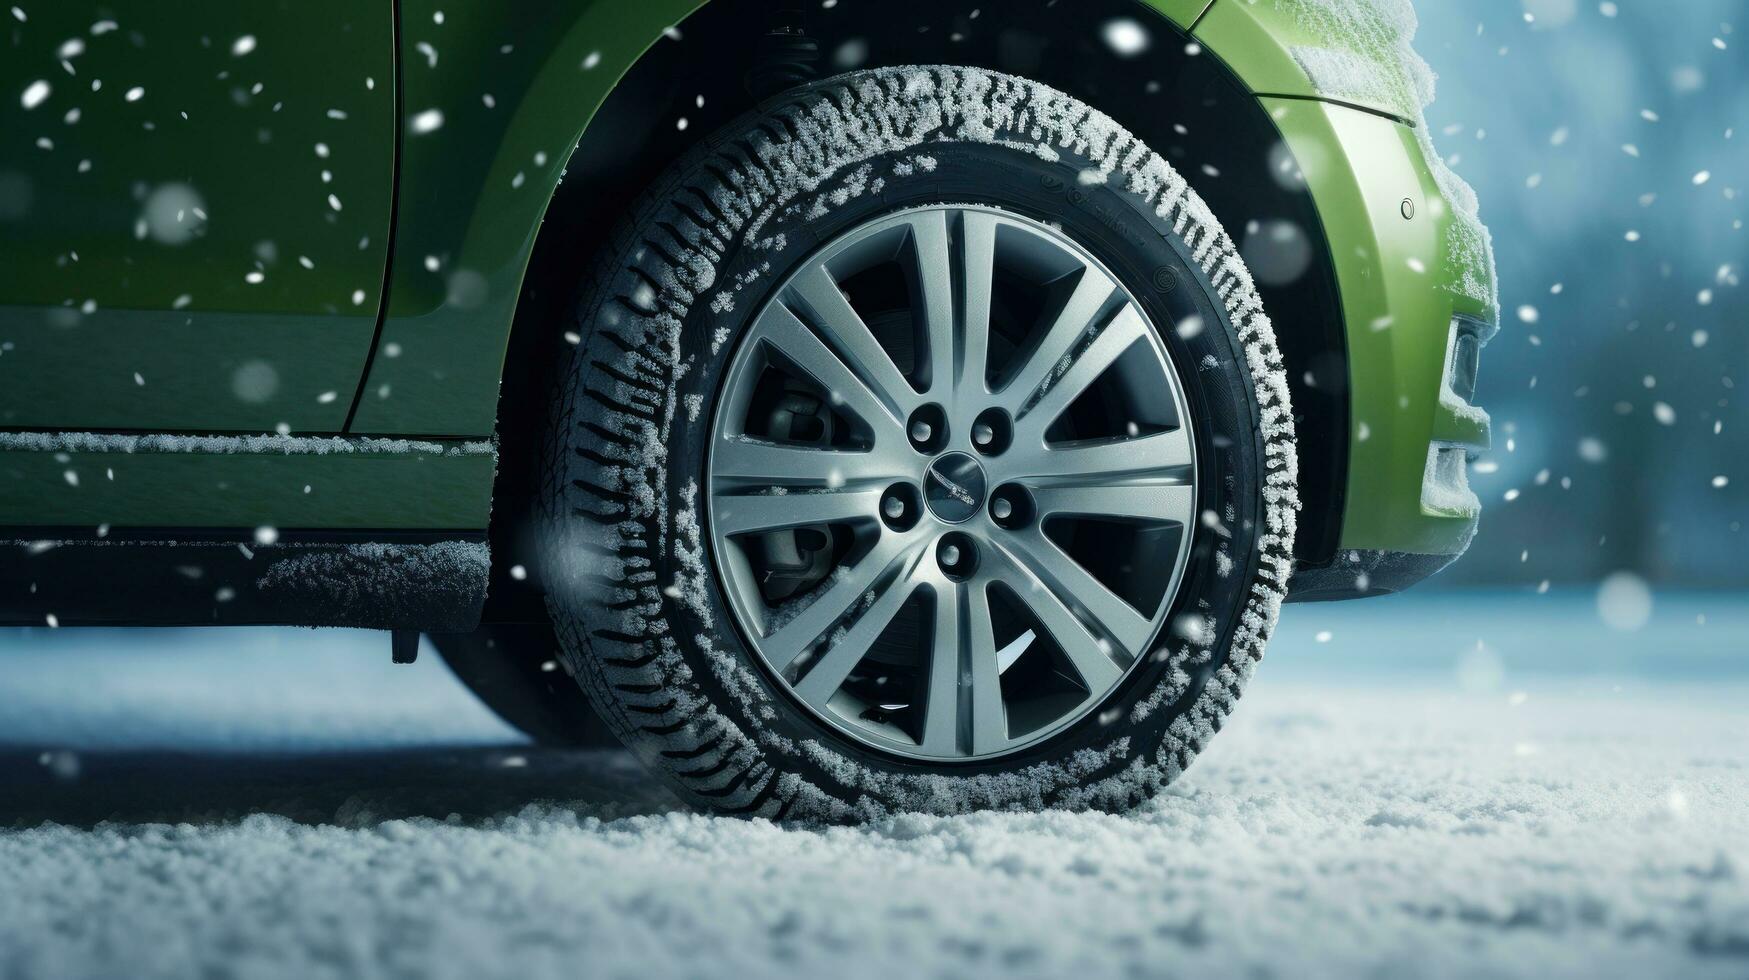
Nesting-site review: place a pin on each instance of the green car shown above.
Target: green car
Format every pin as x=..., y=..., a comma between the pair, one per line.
x=861, y=408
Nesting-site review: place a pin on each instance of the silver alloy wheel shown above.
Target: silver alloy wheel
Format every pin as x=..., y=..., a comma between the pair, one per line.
x=952, y=483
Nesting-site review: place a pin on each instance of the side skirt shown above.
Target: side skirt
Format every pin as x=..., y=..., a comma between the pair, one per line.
x=434, y=582
x=170, y=480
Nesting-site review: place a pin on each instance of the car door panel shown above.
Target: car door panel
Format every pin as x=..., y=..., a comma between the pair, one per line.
x=491, y=128
x=195, y=202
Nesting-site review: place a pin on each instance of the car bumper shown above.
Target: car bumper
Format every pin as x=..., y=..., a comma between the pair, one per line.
x=1415, y=273
x=1418, y=309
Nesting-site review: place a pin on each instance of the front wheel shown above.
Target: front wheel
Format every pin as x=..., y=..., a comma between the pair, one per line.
x=926, y=448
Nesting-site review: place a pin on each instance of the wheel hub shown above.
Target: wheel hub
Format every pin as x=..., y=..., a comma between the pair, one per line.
x=997, y=519
x=955, y=487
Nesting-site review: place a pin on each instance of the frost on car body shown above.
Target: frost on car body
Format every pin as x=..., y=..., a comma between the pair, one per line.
x=1365, y=54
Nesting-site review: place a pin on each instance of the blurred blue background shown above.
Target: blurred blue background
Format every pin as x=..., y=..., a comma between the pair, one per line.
x=1609, y=144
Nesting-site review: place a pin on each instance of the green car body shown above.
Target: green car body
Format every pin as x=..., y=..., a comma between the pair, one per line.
x=260, y=266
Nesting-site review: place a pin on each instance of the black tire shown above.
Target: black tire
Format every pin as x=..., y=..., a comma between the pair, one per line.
x=512, y=669
x=635, y=602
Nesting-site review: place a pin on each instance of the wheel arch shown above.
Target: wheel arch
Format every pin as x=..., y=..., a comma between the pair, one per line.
x=638, y=131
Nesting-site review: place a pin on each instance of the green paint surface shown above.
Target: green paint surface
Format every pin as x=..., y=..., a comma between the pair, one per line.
x=177, y=152
x=1398, y=298
x=1181, y=12
x=173, y=337
x=1259, y=38
x=412, y=490
x=474, y=189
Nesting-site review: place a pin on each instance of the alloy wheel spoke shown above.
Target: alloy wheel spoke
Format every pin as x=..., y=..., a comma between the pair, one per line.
x=833, y=315
x=1102, y=462
x=1055, y=587
x=978, y=268
x=929, y=243
x=944, y=708
x=796, y=343
x=848, y=649
x=1091, y=294
x=800, y=633
x=1171, y=503
x=1124, y=330
x=749, y=462
x=989, y=722
x=965, y=709
x=750, y=513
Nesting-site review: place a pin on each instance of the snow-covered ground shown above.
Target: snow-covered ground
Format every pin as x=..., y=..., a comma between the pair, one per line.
x=1391, y=799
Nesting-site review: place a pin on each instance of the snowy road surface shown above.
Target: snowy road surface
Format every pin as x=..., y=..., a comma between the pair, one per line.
x=1390, y=799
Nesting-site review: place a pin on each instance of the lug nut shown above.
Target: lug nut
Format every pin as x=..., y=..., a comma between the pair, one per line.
x=992, y=431
x=927, y=429
x=1012, y=507
x=957, y=556
x=901, y=506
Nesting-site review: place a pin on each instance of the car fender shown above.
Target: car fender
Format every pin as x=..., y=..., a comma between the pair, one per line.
x=476, y=184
